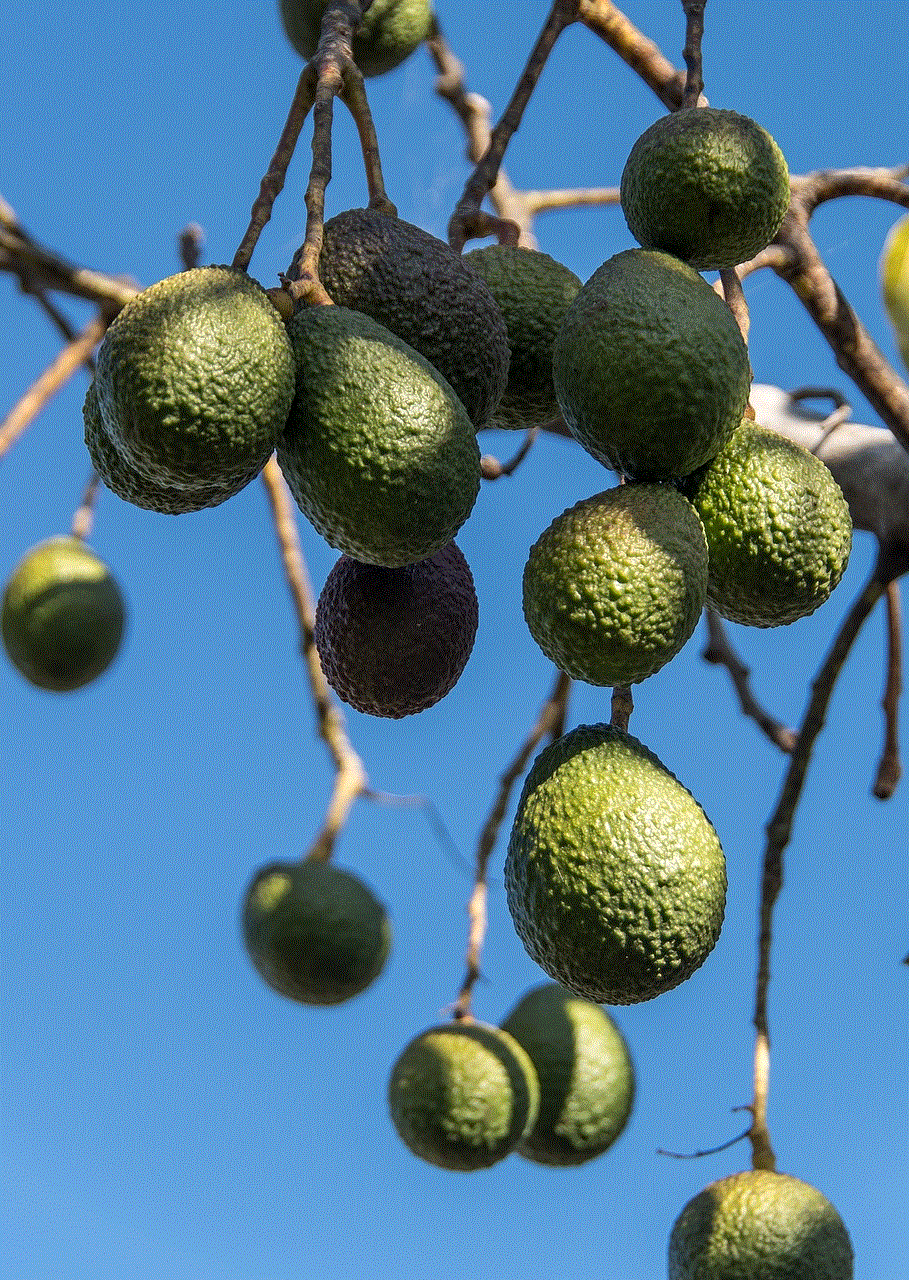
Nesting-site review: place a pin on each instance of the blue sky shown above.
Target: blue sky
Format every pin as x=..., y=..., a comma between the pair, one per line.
x=164, y=1113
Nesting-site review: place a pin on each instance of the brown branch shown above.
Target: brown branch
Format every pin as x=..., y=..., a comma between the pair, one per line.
x=39, y=268
x=812, y=189
x=353, y=95
x=779, y=831
x=890, y=770
x=333, y=62
x=273, y=182
x=720, y=652
x=729, y=287
x=475, y=114
x=855, y=352
x=622, y=707
x=541, y=201
x=350, y=779
x=55, y=376
x=694, y=34
x=644, y=57
x=550, y=722
x=469, y=220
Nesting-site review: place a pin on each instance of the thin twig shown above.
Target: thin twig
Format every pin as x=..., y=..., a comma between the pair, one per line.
x=55, y=376
x=84, y=517
x=890, y=770
x=350, y=778
x=550, y=722
x=708, y=1151
x=720, y=652
x=779, y=831
x=468, y=219
x=492, y=469
x=273, y=182
x=694, y=34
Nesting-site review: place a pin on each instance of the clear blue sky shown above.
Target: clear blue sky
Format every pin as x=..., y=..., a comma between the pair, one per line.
x=165, y=1114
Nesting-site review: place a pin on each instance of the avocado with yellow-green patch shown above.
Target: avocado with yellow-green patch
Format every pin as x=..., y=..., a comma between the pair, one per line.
x=462, y=1095
x=760, y=1225
x=63, y=615
x=615, y=877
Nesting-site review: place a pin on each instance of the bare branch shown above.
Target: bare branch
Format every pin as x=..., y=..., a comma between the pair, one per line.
x=890, y=770
x=39, y=268
x=812, y=189
x=55, y=376
x=856, y=353
x=350, y=780
x=468, y=219
x=720, y=652
x=644, y=57
x=694, y=34
x=779, y=831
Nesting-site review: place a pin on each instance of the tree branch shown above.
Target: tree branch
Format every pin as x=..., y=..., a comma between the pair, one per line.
x=55, y=376
x=779, y=832
x=350, y=779
x=720, y=652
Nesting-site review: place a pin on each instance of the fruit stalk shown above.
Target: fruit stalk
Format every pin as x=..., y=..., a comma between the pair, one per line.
x=468, y=220
x=550, y=723
x=350, y=779
x=694, y=34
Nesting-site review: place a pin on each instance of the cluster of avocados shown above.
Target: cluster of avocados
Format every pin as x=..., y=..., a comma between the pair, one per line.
x=615, y=877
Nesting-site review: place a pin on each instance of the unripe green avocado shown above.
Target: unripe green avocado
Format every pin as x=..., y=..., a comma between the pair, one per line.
x=315, y=932
x=378, y=450
x=707, y=185
x=390, y=31
x=63, y=615
x=193, y=385
x=615, y=877
x=650, y=369
x=462, y=1095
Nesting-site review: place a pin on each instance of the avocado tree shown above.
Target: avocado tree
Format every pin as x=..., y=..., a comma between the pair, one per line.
x=664, y=651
